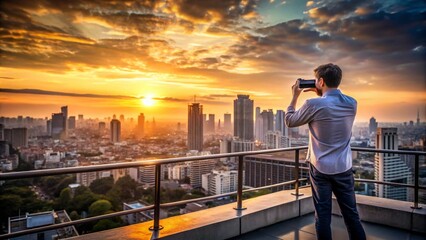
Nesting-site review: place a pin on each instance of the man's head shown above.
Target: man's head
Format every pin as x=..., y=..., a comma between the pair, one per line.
x=330, y=74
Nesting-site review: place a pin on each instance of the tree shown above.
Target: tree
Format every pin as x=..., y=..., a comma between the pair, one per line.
x=99, y=207
x=126, y=189
x=102, y=185
x=105, y=224
x=64, y=198
x=9, y=205
x=74, y=215
x=83, y=198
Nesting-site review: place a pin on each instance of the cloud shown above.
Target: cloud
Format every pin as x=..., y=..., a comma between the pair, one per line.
x=229, y=50
x=54, y=93
x=84, y=95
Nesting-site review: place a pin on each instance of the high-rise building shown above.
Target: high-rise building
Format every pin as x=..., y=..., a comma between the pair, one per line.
x=122, y=118
x=178, y=171
x=198, y=168
x=372, y=126
x=71, y=122
x=1, y=132
x=280, y=123
x=101, y=127
x=258, y=127
x=266, y=123
x=262, y=170
x=19, y=137
x=49, y=127
x=388, y=167
x=195, y=126
x=275, y=139
x=219, y=182
x=58, y=127
x=141, y=125
x=80, y=117
x=227, y=125
x=147, y=175
x=210, y=124
x=64, y=111
x=115, y=127
x=418, y=117
x=243, y=117
x=7, y=135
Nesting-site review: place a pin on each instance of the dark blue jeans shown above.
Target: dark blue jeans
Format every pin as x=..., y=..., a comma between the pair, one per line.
x=342, y=185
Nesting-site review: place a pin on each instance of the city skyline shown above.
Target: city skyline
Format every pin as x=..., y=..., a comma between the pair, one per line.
x=101, y=58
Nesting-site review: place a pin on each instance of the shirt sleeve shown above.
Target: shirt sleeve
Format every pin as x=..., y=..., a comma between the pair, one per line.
x=300, y=117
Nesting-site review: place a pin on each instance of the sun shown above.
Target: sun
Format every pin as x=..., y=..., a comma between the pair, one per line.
x=148, y=101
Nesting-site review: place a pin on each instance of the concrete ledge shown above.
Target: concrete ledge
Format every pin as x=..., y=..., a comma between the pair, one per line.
x=215, y=223
x=273, y=208
x=389, y=212
x=224, y=222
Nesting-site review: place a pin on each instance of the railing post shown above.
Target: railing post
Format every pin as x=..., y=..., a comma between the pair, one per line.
x=240, y=184
x=157, y=225
x=297, y=172
x=416, y=183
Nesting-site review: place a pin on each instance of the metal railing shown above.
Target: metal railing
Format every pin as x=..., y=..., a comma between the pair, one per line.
x=159, y=162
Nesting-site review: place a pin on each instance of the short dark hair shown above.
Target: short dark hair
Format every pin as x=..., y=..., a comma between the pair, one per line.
x=331, y=73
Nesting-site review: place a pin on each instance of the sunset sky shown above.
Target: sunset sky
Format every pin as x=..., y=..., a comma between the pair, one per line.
x=104, y=57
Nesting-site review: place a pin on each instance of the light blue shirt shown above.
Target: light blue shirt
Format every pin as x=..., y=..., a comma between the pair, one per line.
x=330, y=119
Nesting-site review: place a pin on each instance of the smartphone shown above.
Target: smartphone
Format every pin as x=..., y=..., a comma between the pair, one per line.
x=306, y=83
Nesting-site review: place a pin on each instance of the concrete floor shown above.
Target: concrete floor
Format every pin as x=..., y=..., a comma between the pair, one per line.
x=303, y=228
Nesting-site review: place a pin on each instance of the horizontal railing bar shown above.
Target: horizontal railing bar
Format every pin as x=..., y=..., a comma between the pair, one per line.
x=388, y=183
x=405, y=152
x=139, y=163
x=75, y=222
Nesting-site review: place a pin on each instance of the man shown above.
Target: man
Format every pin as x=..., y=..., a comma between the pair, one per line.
x=330, y=118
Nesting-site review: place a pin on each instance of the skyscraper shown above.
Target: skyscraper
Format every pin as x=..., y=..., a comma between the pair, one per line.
x=210, y=124
x=49, y=127
x=64, y=111
x=258, y=128
x=373, y=125
x=71, y=122
x=19, y=137
x=227, y=125
x=115, y=127
x=1, y=132
x=141, y=125
x=58, y=127
x=195, y=126
x=389, y=167
x=243, y=117
x=418, y=117
x=280, y=124
x=101, y=127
